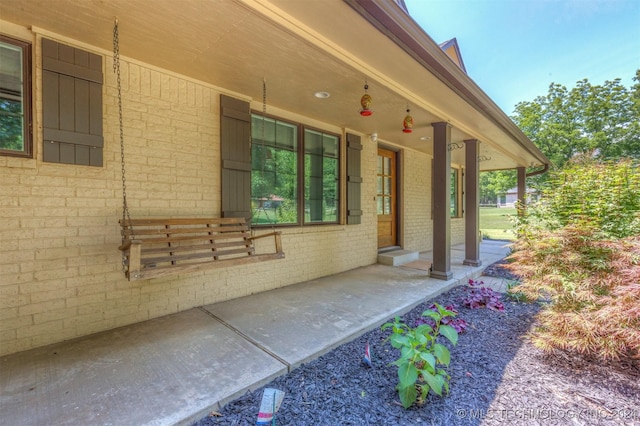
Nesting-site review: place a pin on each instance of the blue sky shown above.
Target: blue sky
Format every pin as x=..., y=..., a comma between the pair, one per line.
x=513, y=49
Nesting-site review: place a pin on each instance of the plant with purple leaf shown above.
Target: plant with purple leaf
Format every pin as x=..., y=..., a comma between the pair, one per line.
x=483, y=297
x=458, y=324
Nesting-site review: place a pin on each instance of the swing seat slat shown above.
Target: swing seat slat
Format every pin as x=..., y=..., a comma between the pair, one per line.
x=156, y=248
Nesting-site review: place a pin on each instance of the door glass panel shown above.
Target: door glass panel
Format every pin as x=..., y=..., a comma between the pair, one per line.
x=385, y=199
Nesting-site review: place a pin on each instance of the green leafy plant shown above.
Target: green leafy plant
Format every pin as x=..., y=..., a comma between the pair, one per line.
x=579, y=249
x=513, y=292
x=459, y=324
x=601, y=196
x=421, y=356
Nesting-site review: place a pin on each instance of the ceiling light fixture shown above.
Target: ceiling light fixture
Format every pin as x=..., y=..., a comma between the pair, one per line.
x=322, y=95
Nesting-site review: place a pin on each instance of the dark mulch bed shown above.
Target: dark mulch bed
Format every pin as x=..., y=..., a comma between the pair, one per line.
x=497, y=377
x=497, y=270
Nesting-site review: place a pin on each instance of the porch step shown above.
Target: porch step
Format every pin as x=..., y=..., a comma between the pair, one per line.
x=397, y=257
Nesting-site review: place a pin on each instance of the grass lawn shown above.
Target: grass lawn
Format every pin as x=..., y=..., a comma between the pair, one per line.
x=495, y=223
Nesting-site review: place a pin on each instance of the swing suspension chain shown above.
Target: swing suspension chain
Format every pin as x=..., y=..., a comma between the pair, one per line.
x=264, y=155
x=264, y=102
x=116, y=70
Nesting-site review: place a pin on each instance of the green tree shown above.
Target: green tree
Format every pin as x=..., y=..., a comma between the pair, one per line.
x=11, y=125
x=493, y=184
x=602, y=196
x=600, y=120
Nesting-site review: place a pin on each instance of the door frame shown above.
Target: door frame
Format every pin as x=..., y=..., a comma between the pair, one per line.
x=399, y=157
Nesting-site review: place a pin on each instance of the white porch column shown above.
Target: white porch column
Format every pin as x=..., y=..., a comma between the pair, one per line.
x=472, y=204
x=441, y=267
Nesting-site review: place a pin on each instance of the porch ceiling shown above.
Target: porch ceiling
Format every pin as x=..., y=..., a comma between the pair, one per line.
x=300, y=47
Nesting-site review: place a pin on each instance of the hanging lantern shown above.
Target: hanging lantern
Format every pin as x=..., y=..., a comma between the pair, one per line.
x=365, y=102
x=407, y=124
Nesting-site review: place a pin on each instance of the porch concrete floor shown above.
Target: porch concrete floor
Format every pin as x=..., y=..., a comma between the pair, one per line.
x=175, y=369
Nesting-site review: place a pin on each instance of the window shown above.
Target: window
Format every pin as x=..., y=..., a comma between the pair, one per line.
x=454, y=193
x=321, y=171
x=354, y=180
x=274, y=171
x=15, y=97
x=294, y=173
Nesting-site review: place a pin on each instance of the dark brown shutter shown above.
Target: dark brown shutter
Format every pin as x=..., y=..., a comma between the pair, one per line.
x=235, y=153
x=72, y=105
x=354, y=179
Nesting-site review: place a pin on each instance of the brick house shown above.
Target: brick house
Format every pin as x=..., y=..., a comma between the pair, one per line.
x=346, y=184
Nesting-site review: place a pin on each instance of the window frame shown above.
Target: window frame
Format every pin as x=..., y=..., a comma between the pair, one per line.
x=338, y=157
x=457, y=176
x=301, y=129
x=27, y=87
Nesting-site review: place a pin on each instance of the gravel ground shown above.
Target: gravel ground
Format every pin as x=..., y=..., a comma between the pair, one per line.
x=496, y=270
x=497, y=377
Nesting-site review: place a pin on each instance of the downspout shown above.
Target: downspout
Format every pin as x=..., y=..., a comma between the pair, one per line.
x=544, y=169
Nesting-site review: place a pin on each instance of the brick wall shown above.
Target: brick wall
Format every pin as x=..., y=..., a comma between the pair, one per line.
x=418, y=221
x=457, y=231
x=60, y=270
x=417, y=209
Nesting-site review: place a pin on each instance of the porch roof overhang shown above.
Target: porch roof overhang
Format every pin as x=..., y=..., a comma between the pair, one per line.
x=300, y=47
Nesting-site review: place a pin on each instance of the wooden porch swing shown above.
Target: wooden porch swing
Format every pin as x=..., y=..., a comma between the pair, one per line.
x=153, y=248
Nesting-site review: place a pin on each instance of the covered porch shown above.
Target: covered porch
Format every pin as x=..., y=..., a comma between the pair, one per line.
x=196, y=79
x=178, y=368
x=316, y=59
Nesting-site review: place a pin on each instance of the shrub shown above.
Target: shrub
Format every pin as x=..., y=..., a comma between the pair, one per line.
x=592, y=289
x=602, y=196
x=579, y=250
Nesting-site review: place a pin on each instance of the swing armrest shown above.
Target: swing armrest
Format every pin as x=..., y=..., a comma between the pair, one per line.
x=127, y=244
x=134, y=249
x=270, y=234
x=277, y=237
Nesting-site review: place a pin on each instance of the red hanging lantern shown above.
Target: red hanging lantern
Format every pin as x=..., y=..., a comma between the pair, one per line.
x=407, y=124
x=365, y=102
